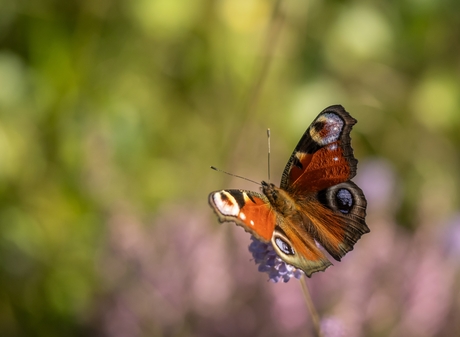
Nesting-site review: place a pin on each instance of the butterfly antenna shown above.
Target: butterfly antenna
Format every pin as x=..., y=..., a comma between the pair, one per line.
x=268, y=140
x=234, y=175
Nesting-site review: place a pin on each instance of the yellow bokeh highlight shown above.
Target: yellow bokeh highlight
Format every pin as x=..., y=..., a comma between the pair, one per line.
x=360, y=33
x=435, y=101
x=245, y=16
x=165, y=18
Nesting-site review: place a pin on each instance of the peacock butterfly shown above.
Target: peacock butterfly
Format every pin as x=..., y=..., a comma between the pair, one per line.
x=316, y=203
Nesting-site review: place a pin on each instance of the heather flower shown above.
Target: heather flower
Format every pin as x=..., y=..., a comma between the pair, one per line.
x=270, y=263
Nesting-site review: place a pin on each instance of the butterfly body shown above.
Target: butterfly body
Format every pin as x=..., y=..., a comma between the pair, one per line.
x=316, y=202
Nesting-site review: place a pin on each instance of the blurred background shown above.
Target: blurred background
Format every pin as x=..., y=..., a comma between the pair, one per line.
x=111, y=113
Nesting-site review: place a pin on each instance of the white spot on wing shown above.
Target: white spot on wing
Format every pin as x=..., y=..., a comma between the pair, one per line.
x=332, y=147
x=252, y=223
x=228, y=206
x=242, y=216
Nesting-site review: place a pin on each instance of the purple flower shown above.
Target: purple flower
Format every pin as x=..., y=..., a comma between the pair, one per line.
x=270, y=263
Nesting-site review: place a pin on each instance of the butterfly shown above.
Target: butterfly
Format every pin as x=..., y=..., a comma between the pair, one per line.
x=316, y=205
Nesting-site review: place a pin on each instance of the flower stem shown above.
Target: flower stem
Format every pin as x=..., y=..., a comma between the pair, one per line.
x=311, y=307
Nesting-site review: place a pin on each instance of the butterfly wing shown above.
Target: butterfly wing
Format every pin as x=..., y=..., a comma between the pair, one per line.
x=317, y=175
x=248, y=209
x=295, y=246
x=323, y=157
x=337, y=217
x=254, y=213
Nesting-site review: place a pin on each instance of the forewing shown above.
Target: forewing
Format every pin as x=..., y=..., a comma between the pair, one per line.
x=323, y=157
x=248, y=209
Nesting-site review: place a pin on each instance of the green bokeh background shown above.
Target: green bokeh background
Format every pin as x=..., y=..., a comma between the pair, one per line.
x=120, y=107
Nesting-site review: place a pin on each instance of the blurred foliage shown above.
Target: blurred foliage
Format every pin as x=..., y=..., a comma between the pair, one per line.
x=119, y=107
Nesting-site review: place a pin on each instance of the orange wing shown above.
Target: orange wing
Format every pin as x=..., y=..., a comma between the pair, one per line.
x=337, y=217
x=323, y=157
x=296, y=247
x=248, y=209
x=317, y=176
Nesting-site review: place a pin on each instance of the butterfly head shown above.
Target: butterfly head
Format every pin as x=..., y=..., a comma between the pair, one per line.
x=279, y=199
x=269, y=190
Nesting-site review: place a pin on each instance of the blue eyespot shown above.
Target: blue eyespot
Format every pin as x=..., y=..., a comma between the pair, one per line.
x=284, y=246
x=344, y=200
